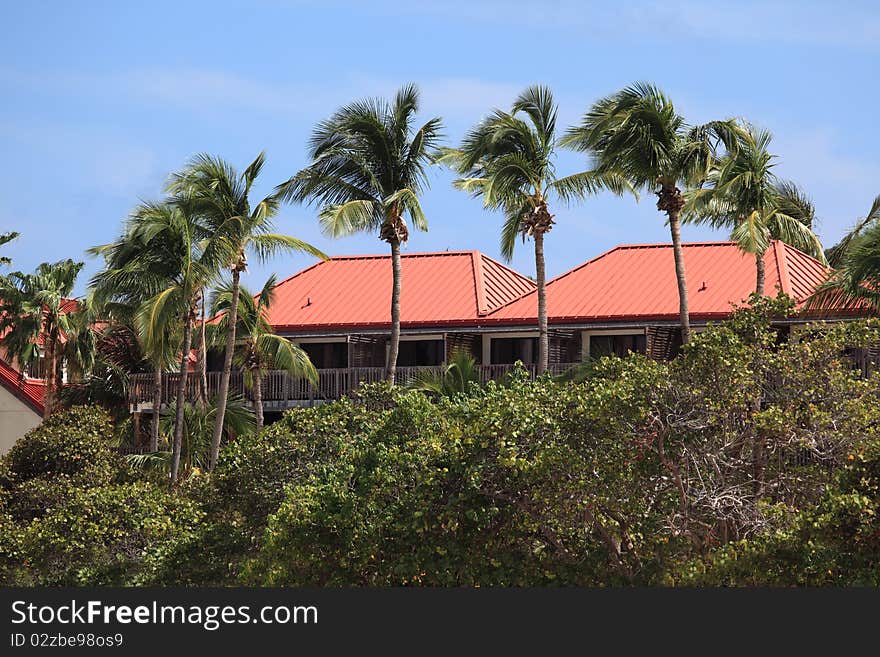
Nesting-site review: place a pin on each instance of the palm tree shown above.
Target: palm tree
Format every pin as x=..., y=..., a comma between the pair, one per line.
x=837, y=252
x=160, y=268
x=745, y=196
x=457, y=377
x=198, y=427
x=508, y=160
x=368, y=167
x=791, y=200
x=855, y=282
x=33, y=309
x=140, y=264
x=178, y=302
x=637, y=132
x=221, y=197
x=257, y=347
x=79, y=350
x=5, y=238
x=117, y=355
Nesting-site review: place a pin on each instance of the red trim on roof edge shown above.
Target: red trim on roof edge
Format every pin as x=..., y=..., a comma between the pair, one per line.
x=27, y=391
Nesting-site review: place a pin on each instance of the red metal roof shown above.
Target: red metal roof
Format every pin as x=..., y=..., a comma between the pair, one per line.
x=30, y=391
x=638, y=282
x=444, y=288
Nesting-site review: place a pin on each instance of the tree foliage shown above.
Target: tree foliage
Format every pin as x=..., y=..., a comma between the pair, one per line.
x=752, y=458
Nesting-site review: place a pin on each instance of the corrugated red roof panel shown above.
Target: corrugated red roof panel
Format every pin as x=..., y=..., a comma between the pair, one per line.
x=638, y=282
x=31, y=392
x=445, y=288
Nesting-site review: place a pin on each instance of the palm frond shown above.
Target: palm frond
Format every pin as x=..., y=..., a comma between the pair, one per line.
x=837, y=253
x=343, y=219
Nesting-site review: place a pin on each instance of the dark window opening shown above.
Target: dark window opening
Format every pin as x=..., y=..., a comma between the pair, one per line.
x=327, y=355
x=509, y=350
x=413, y=353
x=214, y=360
x=618, y=345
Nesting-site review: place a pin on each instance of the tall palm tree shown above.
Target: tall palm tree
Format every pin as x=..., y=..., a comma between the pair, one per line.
x=33, y=309
x=79, y=350
x=178, y=301
x=368, y=167
x=257, y=347
x=638, y=132
x=855, y=281
x=161, y=258
x=744, y=196
x=508, y=159
x=221, y=197
x=141, y=263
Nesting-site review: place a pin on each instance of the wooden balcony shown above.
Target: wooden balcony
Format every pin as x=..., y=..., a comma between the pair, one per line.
x=281, y=391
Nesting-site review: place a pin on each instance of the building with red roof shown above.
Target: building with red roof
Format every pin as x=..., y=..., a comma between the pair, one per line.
x=21, y=404
x=339, y=309
x=627, y=298
x=21, y=394
x=623, y=300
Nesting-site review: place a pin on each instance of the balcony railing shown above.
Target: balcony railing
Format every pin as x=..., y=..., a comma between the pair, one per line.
x=281, y=390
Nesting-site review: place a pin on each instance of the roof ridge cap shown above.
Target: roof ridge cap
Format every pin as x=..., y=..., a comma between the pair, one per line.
x=479, y=283
x=781, y=254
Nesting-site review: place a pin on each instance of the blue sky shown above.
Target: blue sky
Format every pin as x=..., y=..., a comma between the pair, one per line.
x=101, y=100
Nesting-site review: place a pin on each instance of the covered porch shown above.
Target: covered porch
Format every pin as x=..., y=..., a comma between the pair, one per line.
x=282, y=391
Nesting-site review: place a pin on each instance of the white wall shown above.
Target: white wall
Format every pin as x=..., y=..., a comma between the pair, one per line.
x=16, y=419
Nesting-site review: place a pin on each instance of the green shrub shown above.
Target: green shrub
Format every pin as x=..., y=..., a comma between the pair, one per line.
x=74, y=443
x=105, y=535
x=502, y=489
x=255, y=469
x=10, y=550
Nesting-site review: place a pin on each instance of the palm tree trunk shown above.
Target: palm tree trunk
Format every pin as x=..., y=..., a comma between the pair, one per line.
x=759, y=281
x=203, y=360
x=181, y=398
x=394, y=344
x=678, y=253
x=157, y=404
x=49, y=376
x=258, y=396
x=59, y=374
x=540, y=272
x=223, y=392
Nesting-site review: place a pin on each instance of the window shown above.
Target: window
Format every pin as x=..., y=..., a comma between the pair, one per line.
x=412, y=353
x=510, y=350
x=37, y=369
x=619, y=345
x=327, y=355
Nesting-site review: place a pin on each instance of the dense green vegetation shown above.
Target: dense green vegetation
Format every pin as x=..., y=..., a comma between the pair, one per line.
x=749, y=459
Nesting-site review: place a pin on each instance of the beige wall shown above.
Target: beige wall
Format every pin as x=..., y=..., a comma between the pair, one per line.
x=16, y=419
